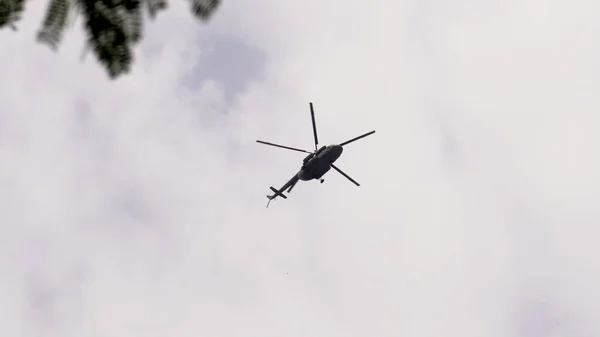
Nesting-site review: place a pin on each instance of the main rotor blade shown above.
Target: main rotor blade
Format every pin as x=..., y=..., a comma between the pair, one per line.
x=357, y=138
x=312, y=114
x=283, y=147
x=345, y=175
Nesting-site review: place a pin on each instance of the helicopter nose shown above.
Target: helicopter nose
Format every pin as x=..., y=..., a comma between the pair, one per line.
x=337, y=151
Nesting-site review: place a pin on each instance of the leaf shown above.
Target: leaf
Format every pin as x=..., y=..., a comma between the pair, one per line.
x=204, y=9
x=154, y=6
x=134, y=20
x=10, y=12
x=105, y=25
x=54, y=23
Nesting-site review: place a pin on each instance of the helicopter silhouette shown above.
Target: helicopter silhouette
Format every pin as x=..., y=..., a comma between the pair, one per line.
x=316, y=164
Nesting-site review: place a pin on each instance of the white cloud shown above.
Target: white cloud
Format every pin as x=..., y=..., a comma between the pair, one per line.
x=137, y=206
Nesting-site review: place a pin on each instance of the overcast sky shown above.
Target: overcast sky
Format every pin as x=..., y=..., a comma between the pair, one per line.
x=137, y=207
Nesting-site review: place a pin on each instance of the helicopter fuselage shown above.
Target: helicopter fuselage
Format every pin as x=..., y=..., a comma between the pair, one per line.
x=315, y=165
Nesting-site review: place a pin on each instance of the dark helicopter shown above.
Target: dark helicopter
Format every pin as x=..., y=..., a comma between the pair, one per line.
x=316, y=164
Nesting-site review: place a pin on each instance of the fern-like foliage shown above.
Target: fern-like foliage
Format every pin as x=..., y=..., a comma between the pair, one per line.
x=113, y=27
x=54, y=23
x=107, y=23
x=10, y=12
x=154, y=6
x=134, y=23
x=204, y=9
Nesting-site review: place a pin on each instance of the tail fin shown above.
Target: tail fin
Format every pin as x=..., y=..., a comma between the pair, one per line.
x=277, y=194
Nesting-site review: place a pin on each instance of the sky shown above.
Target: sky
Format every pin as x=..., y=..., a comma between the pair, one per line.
x=137, y=207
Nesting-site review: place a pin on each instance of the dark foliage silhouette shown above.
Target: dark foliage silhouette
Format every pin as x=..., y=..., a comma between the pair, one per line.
x=113, y=27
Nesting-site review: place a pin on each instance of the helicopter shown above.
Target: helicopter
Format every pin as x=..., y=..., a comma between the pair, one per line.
x=316, y=164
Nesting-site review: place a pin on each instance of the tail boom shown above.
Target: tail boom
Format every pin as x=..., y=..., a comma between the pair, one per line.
x=277, y=194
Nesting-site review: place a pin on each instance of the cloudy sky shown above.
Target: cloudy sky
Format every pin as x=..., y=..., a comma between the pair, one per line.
x=137, y=207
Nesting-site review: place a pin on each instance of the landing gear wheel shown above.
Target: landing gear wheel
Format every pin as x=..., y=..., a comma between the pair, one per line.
x=322, y=180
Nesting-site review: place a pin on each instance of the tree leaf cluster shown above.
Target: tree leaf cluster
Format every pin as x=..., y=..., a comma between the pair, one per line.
x=10, y=12
x=113, y=27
